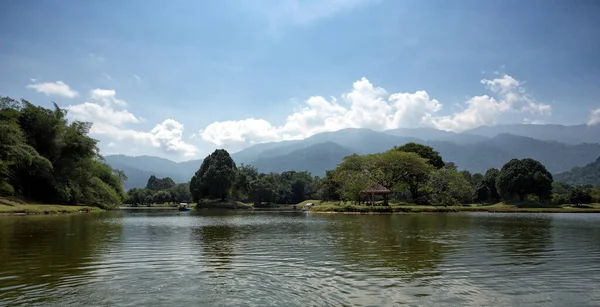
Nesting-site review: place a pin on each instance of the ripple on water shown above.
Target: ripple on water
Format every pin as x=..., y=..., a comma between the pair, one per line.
x=271, y=259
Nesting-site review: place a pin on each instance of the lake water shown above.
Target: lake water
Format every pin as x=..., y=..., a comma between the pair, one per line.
x=171, y=258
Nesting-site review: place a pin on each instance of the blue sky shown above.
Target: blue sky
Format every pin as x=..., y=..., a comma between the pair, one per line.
x=180, y=78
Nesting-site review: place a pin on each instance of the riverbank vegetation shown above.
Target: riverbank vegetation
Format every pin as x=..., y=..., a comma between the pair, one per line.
x=44, y=158
x=413, y=178
x=12, y=206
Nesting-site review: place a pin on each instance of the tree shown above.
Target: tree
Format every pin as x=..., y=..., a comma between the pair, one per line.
x=524, y=177
x=561, y=188
x=157, y=184
x=449, y=187
x=45, y=158
x=329, y=187
x=391, y=169
x=427, y=152
x=451, y=165
x=486, y=188
x=215, y=177
x=580, y=195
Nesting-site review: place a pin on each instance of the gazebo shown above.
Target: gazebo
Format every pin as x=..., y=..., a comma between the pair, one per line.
x=377, y=189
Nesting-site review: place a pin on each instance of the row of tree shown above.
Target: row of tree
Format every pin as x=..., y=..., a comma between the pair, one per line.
x=220, y=178
x=159, y=191
x=46, y=158
x=413, y=172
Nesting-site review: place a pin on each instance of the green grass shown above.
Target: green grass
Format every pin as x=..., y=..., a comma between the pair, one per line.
x=16, y=206
x=227, y=204
x=534, y=207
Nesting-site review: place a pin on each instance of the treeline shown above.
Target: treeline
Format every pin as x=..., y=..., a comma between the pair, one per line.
x=219, y=178
x=418, y=173
x=159, y=191
x=413, y=172
x=45, y=158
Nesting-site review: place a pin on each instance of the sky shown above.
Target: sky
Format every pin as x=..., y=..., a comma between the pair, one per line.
x=178, y=79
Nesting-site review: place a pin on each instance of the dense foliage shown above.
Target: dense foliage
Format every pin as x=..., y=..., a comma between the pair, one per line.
x=524, y=177
x=426, y=152
x=155, y=193
x=45, y=158
x=414, y=174
x=589, y=174
x=215, y=177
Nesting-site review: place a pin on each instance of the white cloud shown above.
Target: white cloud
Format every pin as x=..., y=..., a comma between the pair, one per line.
x=94, y=112
x=480, y=110
x=486, y=110
x=107, y=97
x=57, y=88
x=594, y=117
x=368, y=106
x=110, y=121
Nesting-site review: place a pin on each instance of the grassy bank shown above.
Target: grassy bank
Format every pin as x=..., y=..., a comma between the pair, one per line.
x=20, y=207
x=227, y=204
x=533, y=207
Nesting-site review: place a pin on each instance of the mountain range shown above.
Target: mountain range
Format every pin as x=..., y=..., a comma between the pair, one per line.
x=559, y=148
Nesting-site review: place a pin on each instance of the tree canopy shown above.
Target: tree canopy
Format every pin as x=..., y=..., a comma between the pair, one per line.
x=524, y=177
x=427, y=152
x=391, y=169
x=45, y=158
x=215, y=177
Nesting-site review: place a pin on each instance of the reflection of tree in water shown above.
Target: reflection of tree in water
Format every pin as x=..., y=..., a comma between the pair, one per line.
x=521, y=236
x=51, y=250
x=217, y=242
x=412, y=245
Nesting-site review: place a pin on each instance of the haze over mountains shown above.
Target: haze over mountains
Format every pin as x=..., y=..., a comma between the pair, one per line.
x=558, y=147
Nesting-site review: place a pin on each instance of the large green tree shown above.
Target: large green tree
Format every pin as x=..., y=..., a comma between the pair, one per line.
x=524, y=177
x=485, y=189
x=449, y=187
x=215, y=178
x=43, y=157
x=427, y=152
x=393, y=169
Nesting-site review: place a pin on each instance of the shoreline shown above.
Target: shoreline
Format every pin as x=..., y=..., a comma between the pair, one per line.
x=409, y=210
x=454, y=211
x=49, y=212
x=20, y=208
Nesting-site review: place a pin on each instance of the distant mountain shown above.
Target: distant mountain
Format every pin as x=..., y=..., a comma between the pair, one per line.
x=431, y=134
x=139, y=168
x=589, y=174
x=315, y=159
x=358, y=140
x=470, y=155
x=566, y=134
x=475, y=151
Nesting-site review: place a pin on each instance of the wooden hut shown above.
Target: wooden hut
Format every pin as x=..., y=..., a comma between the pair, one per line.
x=377, y=189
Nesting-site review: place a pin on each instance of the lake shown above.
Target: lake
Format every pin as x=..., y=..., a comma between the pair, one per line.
x=171, y=258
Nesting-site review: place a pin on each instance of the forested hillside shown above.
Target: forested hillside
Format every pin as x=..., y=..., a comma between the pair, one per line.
x=589, y=174
x=45, y=158
x=324, y=151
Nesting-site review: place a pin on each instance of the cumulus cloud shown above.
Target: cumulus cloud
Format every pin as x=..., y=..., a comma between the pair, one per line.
x=594, y=117
x=57, y=88
x=94, y=112
x=368, y=106
x=108, y=97
x=110, y=120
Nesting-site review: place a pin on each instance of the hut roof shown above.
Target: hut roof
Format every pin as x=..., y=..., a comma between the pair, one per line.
x=376, y=189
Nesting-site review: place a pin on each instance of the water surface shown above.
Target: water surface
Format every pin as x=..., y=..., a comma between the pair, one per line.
x=150, y=257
